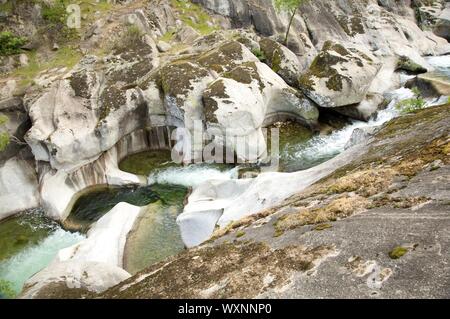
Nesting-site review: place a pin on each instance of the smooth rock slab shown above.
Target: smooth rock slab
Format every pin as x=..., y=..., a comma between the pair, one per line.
x=95, y=263
x=18, y=187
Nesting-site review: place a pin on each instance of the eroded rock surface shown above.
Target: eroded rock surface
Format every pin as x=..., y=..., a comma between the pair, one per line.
x=391, y=198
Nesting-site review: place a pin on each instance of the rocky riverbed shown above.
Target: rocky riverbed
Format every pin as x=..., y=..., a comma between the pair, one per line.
x=106, y=192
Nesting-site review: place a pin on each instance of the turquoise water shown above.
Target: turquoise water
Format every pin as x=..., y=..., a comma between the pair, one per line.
x=91, y=206
x=28, y=243
x=156, y=235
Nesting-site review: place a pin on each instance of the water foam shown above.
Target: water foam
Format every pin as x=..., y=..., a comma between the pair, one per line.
x=190, y=176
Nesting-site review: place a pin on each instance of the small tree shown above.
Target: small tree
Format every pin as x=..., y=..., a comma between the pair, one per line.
x=291, y=6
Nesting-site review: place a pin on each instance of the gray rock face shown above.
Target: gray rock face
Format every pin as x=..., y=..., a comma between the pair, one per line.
x=18, y=187
x=442, y=26
x=16, y=125
x=187, y=34
x=364, y=110
x=88, y=111
x=432, y=84
x=282, y=61
x=378, y=231
x=339, y=76
x=344, y=21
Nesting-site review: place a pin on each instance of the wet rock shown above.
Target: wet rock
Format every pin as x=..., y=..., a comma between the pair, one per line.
x=406, y=64
x=430, y=84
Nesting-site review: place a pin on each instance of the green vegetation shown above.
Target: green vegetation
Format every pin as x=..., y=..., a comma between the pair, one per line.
x=322, y=227
x=129, y=39
x=397, y=252
x=4, y=136
x=10, y=44
x=56, y=16
x=6, y=7
x=259, y=54
x=413, y=104
x=168, y=36
x=240, y=234
x=4, y=141
x=291, y=6
x=194, y=16
x=6, y=290
x=64, y=57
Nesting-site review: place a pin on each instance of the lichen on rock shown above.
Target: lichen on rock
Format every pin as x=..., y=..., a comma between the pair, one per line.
x=339, y=76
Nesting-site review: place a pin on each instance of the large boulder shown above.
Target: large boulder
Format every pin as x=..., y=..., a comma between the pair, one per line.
x=339, y=76
x=226, y=57
x=442, y=26
x=239, y=103
x=431, y=84
x=365, y=110
x=282, y=60
x=183, y=83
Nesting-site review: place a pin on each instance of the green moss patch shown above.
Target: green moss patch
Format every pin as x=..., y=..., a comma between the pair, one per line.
x=398, y=252
x=195, y=16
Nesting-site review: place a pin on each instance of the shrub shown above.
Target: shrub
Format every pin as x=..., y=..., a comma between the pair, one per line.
x=55, y=14
x=129, y=39
x=10, y=44
x=259, y=54
x=56, y=17
x=413, y=104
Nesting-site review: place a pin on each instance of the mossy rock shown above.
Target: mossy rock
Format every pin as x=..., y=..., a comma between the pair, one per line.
x=246, y=74
x=406, y=64
x=176, y=77
x=132, y=46
x=322, y=227
x=216, y=90
x=281, y=60
x=240, y=234
x=112, y=98
x=223, y=58
x=323, y=66
x=81, y=84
